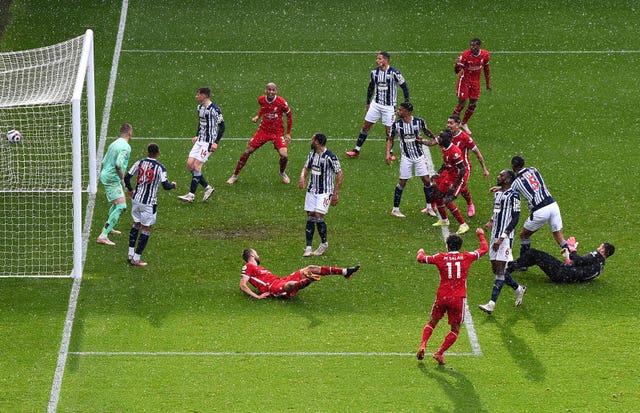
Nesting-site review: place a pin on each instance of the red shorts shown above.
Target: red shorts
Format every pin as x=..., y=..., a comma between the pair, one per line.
x=468, y=90
x=260, y=138
x=277, y=287
x=445, y=181
x=452, y=306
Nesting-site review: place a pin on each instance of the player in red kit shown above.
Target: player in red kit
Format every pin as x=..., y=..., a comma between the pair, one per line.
x=450, y=180
x=452, y=291
x=465, y=142
x=272, y=109
x=468, y=67
x=269, y=285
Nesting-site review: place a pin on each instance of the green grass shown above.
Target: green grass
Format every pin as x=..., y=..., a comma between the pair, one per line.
x=569, y=348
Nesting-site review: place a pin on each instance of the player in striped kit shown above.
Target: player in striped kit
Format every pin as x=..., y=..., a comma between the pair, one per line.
x=150, y=174
x=409, y=130
x=506, y=213
x=210, y=130
x=325, y=180
x=382, y=95
x=543, y=208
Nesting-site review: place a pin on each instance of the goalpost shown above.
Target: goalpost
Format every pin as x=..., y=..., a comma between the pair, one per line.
x=48, y=95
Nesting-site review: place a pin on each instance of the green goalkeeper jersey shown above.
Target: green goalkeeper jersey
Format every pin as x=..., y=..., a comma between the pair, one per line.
x=116, y=158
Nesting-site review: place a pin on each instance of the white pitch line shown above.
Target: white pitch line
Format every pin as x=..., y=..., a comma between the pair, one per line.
x=256, y=353
x=372, y=52
x=63, y=352
x=471, y=331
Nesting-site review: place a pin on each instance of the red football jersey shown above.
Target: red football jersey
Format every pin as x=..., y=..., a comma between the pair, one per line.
x=465, y=142
x=451, y=156
x=272, y=114
x=454, y=269
x=259, y=277
x=470, y=66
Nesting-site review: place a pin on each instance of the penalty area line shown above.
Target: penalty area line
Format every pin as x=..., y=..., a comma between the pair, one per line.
x=255, y=353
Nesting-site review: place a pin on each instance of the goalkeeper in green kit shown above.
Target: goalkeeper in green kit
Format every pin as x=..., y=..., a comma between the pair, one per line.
x=114, y=166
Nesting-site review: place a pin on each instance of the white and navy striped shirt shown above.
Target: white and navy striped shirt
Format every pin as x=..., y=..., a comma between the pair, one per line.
x=506, y=213
x=530, y=184
x=383, y=86
x=150, y=173
x=210, y=123
x=323, y=168
x=407, y=133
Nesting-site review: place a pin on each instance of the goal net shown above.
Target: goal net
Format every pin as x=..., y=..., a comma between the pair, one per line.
x=46, y=94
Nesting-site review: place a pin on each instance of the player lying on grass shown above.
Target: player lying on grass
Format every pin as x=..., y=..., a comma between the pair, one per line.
x=575, y=268
x=270, y=285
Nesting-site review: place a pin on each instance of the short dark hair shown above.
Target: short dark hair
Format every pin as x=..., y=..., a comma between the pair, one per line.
x=153, y=149
x=125, y=129
x=454, y=242
x=609, y=249
x=455, y=118
x=407, y=105
x=321, y=138
x=386, y=55
x=445, y=137
x=246, y=253
x=511, y=174
x=517, y=162
x=476, y=41
x=205, y=91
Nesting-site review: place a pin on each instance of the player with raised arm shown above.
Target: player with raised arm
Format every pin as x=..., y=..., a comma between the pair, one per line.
x=273, y=109
x=468, y=67
x=382, y=95
x=465, y=142
x=144, y=205
x=506, y=213
x=210, y=130
x=269, y=285
x=409, y=130
x=114, y=165
x=451, y=296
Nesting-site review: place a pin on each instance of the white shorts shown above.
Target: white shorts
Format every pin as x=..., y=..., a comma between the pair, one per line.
x=143, y=213
x=377, y=111
x=408, y=165
x=504, y=253
x=200, y=151
x=317, y=203
x=549, y=214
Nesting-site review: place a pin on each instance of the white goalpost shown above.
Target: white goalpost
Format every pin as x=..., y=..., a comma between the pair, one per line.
x=48, y=96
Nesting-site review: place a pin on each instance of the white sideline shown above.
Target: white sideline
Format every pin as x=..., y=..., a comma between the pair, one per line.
x=257, y=353
x=373, y=52
x=63, y=352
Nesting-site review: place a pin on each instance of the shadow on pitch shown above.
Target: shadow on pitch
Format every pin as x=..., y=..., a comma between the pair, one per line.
x=458, y=389
x=519, y=350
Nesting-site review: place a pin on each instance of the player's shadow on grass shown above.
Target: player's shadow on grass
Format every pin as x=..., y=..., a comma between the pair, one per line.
x=299, y=306
x=518, y=348
x=458, y=389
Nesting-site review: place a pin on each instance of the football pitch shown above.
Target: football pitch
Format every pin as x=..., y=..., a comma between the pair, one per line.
x=180, y=336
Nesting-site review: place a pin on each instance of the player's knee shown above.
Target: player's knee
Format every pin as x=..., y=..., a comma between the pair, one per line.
x=121, y=207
